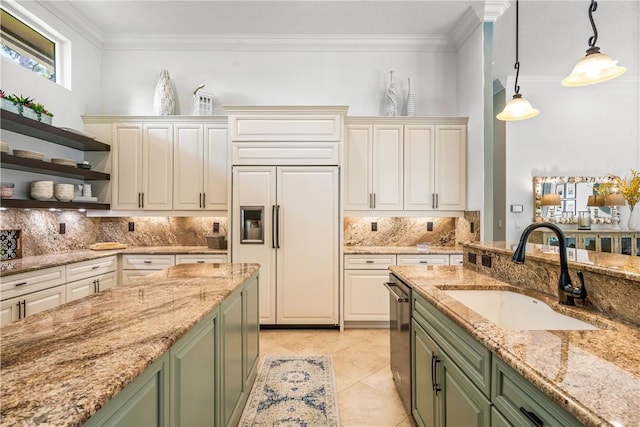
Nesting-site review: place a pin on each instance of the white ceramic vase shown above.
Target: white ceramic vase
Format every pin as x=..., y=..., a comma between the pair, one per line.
x=411, y=102
x=164, y=103
x=633, y=223
x=391, y=104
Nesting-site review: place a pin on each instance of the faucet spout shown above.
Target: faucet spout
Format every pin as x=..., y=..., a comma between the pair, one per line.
x=566, y=292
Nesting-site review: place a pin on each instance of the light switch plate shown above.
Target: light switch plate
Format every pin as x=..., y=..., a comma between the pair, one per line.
x=517, y=208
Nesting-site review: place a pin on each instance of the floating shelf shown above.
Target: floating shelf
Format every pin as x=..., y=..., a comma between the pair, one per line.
x=40, y=166
x=19, y=124
x=48, y=204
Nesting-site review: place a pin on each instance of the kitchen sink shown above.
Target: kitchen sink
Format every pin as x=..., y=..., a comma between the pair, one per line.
x=511, y=310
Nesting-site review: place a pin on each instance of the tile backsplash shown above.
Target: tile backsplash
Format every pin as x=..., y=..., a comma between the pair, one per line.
x=41, y=230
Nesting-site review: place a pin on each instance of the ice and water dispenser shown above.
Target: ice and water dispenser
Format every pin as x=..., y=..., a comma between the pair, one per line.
x=251, y=224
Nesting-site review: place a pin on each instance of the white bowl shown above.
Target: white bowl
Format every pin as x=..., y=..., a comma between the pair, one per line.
x=41, y=190
x=63, y=192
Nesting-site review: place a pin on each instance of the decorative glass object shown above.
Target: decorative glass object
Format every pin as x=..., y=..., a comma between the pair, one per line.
x=164, y=102
x=391, y=105
x=411, y=101
x=633, y=222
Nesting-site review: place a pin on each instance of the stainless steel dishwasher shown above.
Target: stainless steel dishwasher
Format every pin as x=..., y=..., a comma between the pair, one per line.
x=400, y=337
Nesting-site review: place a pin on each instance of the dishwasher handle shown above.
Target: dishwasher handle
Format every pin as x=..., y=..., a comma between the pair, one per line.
x=403, y=298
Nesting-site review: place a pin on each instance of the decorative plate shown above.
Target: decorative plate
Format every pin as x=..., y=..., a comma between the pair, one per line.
x=10, y=244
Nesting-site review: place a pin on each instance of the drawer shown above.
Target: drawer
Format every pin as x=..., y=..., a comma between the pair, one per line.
x=147, y=262
x=423, y=259
x=201, y=259
x=510, y=392
x=32, y=281
x=466, y=352
x=369, y=262
x=84, y=269
x=308, y=127
x=90, y=285
x=456, y=259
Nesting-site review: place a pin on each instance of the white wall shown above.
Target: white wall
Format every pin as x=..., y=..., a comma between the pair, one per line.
x=356, y=79
x=592, y=130
x=85, y=95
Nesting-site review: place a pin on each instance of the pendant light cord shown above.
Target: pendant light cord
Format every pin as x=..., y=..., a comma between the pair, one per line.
x=594, y=38
x=517, y=65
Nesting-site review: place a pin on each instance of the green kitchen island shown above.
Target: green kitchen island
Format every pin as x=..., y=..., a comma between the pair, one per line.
x=177, y=347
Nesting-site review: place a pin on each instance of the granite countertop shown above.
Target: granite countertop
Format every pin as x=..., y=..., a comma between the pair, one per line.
x=30, y=263
x=60, y=366
x=404, y=250
x=594, y=375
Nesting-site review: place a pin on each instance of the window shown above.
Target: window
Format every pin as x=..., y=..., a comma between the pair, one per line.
x=27, y=47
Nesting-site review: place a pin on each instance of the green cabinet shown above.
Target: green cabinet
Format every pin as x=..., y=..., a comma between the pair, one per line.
x=204, y=379
x=442, y=394
x=193, y=376
x=143, y=403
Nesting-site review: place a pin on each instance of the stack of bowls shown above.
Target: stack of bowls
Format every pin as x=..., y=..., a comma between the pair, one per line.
x=6, y=190
x=63, y=192
x=41, y=190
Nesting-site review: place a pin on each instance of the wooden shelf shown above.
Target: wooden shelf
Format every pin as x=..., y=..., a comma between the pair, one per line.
x=19, y=124
x=48, y=168
x=48, y=204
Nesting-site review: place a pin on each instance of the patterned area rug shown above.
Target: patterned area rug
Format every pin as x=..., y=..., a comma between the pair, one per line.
x=293, y=391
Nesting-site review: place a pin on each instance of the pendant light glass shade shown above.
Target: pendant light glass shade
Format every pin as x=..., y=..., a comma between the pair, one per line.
x=595, y=67
x=517, y=109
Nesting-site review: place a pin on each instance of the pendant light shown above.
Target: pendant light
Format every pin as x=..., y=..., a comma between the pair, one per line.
x=595, y=67
x=518, y=108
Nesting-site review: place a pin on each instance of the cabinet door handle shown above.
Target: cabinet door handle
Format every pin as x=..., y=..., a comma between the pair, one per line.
x=278, y=226
x=19, y=310
x=200, y=261
x=433, y=200
x=204, y=200
x=139, y=200
x=532, y=417
x=437, y=201
x=95, y=267
x=143, y=200
x=370, y=201
x=434, y=376
x=20, y=284
x=24, y=308
x=424, y=262
x=273, y=226
x=374, y=200
x=369, y=261
x=147, y=262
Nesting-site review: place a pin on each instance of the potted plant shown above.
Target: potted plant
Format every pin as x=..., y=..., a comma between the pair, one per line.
x=42, y=114
x=9, y=102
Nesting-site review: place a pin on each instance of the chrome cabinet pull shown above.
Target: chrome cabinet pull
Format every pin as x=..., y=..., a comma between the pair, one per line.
x=398, y=298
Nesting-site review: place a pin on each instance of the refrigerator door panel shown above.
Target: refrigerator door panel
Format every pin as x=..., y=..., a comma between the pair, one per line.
x=255, y=187
x=307, y=258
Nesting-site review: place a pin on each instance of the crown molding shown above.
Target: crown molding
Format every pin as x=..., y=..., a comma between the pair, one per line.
x=69, y=15
x=293, y=42
x=467, y=23
x=494, y=9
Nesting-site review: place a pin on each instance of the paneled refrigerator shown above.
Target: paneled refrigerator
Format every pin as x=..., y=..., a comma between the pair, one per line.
x=287, y=219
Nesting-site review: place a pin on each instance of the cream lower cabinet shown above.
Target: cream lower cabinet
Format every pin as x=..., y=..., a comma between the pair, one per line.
x=29, y=293
x=365, y=297
x=200, y=157
x=141, y=265
x=435, y=171
x=201, y=259
x=89, y=277
x=142, y=177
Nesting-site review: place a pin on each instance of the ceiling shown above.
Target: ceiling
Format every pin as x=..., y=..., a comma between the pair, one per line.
x=117, y=19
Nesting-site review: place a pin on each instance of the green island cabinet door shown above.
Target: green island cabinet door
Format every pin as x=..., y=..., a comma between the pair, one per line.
x=193, y=376
x=233, y=379
x=250, y=297
x=423, y=394
x=143, y=403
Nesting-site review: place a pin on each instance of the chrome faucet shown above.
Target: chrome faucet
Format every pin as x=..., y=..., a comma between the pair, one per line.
x=566, y=292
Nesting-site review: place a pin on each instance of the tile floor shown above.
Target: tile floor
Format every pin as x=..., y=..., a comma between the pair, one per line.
x=366, y=394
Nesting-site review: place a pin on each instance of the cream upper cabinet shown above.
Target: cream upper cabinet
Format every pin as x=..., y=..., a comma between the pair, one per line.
x=142, y=166
x=435, y=167
x=374, y=164
x=200, y=167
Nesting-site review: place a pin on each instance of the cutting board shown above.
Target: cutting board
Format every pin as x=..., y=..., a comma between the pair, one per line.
x=104, y=246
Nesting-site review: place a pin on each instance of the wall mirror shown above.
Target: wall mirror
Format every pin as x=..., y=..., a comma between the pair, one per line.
x=560, y=199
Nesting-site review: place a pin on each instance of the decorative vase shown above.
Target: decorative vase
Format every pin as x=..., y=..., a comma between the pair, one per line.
x=633, y=223
x=391, y=105
x=164, y=103
x=411, y=102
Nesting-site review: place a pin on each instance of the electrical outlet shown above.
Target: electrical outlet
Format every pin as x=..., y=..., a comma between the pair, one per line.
x=374, y=226
x=63, y=228
x=216, y=227
x=486, y=260
x=471, y=258
x=472, y=227
x=132, y=226
x=429, y=226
